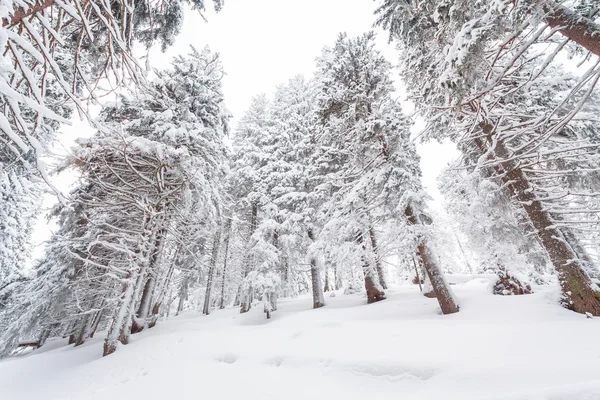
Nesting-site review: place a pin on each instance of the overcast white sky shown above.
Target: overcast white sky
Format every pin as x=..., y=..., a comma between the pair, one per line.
x=263, y=43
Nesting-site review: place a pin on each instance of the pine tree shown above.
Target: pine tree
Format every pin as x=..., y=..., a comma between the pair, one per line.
x=376, y=177
x=143, y=184
x=472, y=69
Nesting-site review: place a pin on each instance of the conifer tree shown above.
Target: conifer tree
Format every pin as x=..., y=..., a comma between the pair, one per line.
x=472, y=69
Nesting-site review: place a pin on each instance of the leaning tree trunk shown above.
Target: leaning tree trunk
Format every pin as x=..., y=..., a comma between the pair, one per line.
x=82, y=333
x=378, y=266
x=581, y=30
x=97, y=320
x=162, y=289
x=211, y=271
x=374, y=291
x=121, y=315
x=315, y=277
x=577, y=292
x=442, y=290
x=149, y=288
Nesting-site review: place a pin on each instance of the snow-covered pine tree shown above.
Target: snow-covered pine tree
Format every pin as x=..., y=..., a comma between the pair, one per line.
x=19, y=201
x=247, y=158
x=374, y=177
x=472, y=64
x=76, y=44
x=157, y=171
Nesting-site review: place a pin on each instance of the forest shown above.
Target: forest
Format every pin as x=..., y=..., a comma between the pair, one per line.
x=316, y=191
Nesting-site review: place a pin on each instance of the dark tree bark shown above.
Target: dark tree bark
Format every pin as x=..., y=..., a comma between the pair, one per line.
x=211, y=271
x=434, y=272
x=581, y=30
x=149, y=287
x=183, y=295
x=378, y=265
x=246, y=302
x=226, y=251
x=317, y=289
x=417, y=275
x=374, y=292
x=96, y=322
x=82, y=333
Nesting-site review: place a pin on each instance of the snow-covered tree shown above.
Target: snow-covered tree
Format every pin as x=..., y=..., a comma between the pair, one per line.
x=375, y=177
x=155, y=173
x=478, y=71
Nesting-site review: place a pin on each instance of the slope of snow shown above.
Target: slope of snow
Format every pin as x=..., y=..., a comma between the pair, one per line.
x=521, y=347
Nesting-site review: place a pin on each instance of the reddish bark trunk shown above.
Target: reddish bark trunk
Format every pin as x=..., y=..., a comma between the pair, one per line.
x=577, y=293
x=434, y=272
x=378, y=265
x=577, y=28
x=374, y=292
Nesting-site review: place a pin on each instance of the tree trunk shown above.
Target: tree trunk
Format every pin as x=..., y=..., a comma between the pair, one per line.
x=161, y=292
x=442, y=290
x=374, y=291
x=577, y=292
x=153, y=266
x=183, y=295
x=96, y=322
x=226, y=250
x=317, y=289
x=211, y=271
x=246, y=298
x=82, y=334
x=378, y=265
x=582, y=254
x=417, y=275
x=581, y=30
x=121, y=314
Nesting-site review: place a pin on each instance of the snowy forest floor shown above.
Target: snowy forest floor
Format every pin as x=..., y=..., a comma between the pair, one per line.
x=520, y=347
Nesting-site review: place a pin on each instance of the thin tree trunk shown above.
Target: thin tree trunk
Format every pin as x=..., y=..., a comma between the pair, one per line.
x=161, y=292
x=246, y=298
x=442, y=290
x=121, y=314
x=149, y=287
x=211, y=271
x=183, y=295
x=378, y=265
x=83, y=330
x=317, y=289
x=96, y=322
x=418, y=277
x=374, y=291
x=225, y=256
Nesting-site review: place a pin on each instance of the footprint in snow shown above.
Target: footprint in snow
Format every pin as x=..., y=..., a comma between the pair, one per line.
x=297, y=334
x=392, y=373
x=275, y=361
x=227, y=358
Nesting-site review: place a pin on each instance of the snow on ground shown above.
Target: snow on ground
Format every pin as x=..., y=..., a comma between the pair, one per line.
x=521, y=347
